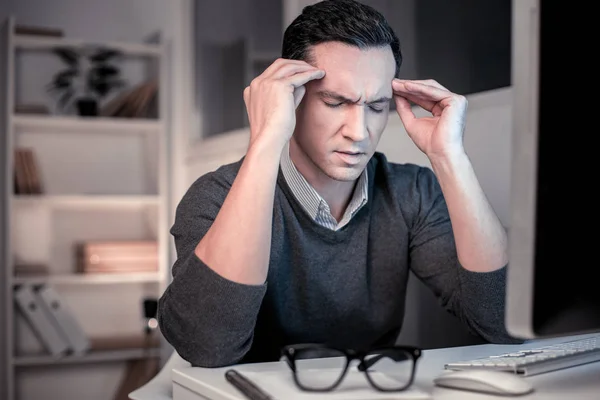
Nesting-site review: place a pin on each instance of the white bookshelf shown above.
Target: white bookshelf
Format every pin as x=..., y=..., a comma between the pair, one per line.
x=134, y=152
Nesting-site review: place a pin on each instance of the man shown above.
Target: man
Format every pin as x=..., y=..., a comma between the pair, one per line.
x=310, y=237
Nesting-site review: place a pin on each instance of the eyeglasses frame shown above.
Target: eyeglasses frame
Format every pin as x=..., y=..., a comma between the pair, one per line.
x=289, y=354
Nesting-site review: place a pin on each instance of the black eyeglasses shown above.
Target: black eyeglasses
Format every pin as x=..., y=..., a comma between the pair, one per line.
x=387, y=369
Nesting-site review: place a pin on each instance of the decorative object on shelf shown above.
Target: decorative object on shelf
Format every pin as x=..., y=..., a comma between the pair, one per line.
x=125, y=256
x=27, y=177
x=150, y=315
x=86, y=85
x=139, y=102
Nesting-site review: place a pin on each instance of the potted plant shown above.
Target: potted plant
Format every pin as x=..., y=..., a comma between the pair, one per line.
x=89, y=77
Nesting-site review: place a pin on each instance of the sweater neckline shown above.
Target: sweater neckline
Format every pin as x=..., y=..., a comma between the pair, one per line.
x=323, y=232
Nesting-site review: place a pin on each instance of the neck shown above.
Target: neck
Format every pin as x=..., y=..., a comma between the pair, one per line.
x=336, y=193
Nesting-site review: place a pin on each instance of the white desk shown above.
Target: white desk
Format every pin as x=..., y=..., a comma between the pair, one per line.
x=576, y=383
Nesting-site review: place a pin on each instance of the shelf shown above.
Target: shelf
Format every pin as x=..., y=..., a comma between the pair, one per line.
x=30, y=42
x=87, y=201
x=92, y=357
x=67, y=124
x=89, y=279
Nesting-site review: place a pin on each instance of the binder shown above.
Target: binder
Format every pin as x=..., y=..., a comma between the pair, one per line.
x=40, y=321
x=63, y=319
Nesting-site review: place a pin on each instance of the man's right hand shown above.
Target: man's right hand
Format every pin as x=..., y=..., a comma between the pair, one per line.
x=272, y=98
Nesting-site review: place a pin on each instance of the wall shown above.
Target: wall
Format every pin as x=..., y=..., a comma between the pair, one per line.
x=464, y=44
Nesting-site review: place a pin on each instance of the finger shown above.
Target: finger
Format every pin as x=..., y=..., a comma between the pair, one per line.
x=405, y=112
x=247, y=95
x=419, y=101
x=289, y=70
x=282, y=67
x=421, y=90
x=247, y=100
x=430, y=82
x=299, y=95
x=302, y=78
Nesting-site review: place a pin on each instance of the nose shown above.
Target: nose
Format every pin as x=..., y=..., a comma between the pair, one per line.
x=356, y=124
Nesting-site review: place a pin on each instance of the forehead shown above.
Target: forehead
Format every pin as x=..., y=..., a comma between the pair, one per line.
x=347, y=68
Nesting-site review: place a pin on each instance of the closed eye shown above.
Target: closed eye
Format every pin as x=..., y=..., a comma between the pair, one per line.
x=376, y=109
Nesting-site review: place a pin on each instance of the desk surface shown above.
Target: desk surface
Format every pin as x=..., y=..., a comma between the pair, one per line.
x=575, y=383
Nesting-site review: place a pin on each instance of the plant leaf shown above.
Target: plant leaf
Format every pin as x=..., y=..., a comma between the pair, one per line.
x=64, y=98
x=103, y=55
x=68, y=55
x=66, y=75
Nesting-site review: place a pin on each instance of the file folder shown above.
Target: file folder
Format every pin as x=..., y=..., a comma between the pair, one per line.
x=40, y=321
x=63, y=318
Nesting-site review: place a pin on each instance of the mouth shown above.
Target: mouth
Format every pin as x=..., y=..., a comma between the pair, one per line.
x=350, y=157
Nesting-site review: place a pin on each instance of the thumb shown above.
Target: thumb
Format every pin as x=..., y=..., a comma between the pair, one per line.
x=299, y=95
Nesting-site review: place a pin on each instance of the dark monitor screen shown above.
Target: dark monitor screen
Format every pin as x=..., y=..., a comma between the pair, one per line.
x=552, y=289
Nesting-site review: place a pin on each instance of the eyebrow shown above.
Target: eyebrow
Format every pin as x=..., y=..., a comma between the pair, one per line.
x=344, y=99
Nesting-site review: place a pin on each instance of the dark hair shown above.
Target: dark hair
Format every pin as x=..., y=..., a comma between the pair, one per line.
x=346, y=21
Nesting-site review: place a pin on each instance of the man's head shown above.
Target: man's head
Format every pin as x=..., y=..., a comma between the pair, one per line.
x=347, y=110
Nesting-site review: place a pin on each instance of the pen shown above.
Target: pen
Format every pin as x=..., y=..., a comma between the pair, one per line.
x=244, y=385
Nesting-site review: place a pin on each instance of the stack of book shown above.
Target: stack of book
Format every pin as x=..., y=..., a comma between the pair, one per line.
x=127, y=256
x=138, y=102
x=27, y=173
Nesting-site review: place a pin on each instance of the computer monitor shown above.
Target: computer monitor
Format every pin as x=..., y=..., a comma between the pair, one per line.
x=552, y=289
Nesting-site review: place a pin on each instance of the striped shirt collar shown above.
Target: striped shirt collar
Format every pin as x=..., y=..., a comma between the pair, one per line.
x=316, y=207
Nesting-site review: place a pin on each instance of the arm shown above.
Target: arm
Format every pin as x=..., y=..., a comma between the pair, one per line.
x=460, y=226
x=223, y=232
x=477, y=299
x=208, y=318
x=481, y=240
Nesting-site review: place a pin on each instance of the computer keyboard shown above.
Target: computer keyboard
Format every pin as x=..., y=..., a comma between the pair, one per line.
x=538, y=360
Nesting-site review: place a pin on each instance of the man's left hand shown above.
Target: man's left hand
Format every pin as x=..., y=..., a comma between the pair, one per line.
x=440, y=134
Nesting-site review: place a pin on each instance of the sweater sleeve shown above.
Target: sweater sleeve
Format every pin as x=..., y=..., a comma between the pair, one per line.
x=476, y=298
x=208, y=319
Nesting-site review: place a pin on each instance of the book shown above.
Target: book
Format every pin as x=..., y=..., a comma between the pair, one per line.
x=117, y=256
x=26, y=172
x=63, y=319
x=40, y=322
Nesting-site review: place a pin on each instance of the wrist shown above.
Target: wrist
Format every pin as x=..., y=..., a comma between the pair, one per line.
x=449, y=162
x=268, y=151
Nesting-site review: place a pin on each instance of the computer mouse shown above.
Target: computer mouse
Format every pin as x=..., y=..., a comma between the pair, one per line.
x=485, y=381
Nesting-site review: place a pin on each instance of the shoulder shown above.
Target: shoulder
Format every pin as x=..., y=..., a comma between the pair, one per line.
x=212, y=186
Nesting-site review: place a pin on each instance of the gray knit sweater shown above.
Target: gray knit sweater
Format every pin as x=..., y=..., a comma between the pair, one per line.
x=346, y=288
